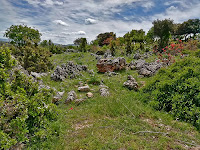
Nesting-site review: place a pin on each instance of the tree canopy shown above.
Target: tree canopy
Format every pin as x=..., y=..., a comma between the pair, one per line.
x=21, y=35
x=163, y=29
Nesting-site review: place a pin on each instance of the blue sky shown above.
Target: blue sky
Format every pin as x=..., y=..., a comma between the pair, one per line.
x=63, y=21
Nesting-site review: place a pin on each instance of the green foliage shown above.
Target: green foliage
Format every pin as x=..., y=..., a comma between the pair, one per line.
x=176, y=90
x=83, y=44
x=33, y=58
x=21, y=35
x=25, y=112
x=55, y=49
x=162, y=29
x=105, y=38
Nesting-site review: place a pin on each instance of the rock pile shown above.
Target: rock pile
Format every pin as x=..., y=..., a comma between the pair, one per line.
x=104, y=90
x=67, y=70
x=144, y=68
x=142, y=56
x=71, y=97
x=109, y=65
x=131, y=83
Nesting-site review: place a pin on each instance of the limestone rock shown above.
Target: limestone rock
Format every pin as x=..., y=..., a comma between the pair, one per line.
x=109, y=65
x=67, y=70
x=85, y=88
x=104, y=92
x=131, y=83
x=89, y=95
x=71, y=96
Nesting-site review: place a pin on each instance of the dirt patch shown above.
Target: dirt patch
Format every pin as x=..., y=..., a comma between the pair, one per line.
x=82, y=125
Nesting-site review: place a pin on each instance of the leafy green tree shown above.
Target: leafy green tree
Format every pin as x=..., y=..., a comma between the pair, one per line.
x=77, y=41
x=83, y=44
x=128, y=43
x=149, y=38
x=163, y=29
x=20, y=35
x=192, y=26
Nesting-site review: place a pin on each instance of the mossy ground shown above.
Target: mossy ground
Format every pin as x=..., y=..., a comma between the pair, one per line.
x=119, y=121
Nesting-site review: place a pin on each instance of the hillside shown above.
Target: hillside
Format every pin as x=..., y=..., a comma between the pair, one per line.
x=118, y=93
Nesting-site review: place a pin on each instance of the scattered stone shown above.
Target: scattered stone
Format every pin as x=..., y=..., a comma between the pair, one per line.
x=137, y=56
x=104, y=92
x=109, y=65
x=91, y=71
x=85, y=88
x=96, y=56
x=110, y=74
x=67, y=70
x=36, y=75
x=71, y=97
x=89, y=95
x=145, y=72
x=131, y=84
x=78, y=101
x=71, y=51
x=108, y=54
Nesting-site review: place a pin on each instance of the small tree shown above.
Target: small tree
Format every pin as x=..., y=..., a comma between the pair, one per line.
x=128, y=44
x=21, y=35
x=83, y=44
x=162, y=29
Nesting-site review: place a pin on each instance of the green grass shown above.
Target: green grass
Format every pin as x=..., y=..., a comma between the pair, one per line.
x=114, y=122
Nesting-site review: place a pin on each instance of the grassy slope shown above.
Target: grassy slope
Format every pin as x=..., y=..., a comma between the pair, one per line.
x=113, y=122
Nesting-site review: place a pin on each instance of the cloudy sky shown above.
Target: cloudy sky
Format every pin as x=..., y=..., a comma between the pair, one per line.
x=63, y=21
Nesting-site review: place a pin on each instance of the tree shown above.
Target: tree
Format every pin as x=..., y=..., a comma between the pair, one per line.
x=21, y=35
x=149, y=38
x=128, y=43
x=105, y=38
x=82, y=46
x=162, y=29
x=78, y=41
x=192, y=26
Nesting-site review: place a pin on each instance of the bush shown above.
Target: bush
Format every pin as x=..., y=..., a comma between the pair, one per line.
x=177, y=89
x=33, y=58
x=25, y=112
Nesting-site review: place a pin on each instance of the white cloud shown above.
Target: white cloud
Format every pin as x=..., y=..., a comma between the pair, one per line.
x=60, y=22
x=80, y=33
x=89, y=21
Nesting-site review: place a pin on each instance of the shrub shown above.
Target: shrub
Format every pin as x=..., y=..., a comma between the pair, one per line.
x=177, y=89
x=25, y=112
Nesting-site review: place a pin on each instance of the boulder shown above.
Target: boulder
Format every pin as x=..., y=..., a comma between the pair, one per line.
x=145, y=72
x=131, y=83
x=85, y=88
x=89, y=95
x=104, y=92
x=36, y=75
x=71, y=97
x=109, y=65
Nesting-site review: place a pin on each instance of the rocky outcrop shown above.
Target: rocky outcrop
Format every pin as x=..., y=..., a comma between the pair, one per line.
x=71, y=97
x=144, y=68
x=67, y=70
x=56, y=99
x=131, y=83
x=110, y=65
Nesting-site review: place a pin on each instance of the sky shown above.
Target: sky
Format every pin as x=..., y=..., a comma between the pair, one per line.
x=63, y=21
